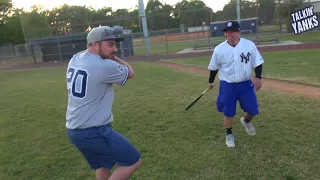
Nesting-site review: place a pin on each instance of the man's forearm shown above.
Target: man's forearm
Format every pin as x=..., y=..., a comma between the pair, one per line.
x=258, y=71
x=212, y=76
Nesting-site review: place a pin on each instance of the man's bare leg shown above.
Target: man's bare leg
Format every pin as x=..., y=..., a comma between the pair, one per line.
x=228, y=122
x=124, y=173
x=102, y=174
x=248, y=117
x=246, y=122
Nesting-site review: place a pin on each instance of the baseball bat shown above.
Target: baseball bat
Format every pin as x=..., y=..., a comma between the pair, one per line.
x=194, y=101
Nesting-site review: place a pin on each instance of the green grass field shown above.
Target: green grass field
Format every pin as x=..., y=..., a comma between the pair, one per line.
x=149, y=110
x=174, y=47
x=299, y=66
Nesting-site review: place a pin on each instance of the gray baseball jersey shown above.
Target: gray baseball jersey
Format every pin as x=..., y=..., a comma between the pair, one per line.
x=90, y=82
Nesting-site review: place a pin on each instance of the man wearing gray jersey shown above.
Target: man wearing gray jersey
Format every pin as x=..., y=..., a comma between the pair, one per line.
x=91, y=75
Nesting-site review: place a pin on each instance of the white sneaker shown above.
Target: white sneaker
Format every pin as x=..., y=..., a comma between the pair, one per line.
x=230, y=141
x=248, y=126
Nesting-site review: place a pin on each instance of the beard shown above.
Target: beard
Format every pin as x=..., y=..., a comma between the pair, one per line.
x=106, y=56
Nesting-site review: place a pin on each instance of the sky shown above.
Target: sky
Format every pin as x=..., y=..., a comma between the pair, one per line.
x=115, y=4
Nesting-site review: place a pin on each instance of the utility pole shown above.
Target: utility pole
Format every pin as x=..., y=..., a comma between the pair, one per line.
x=238, y=11
x=142, y=15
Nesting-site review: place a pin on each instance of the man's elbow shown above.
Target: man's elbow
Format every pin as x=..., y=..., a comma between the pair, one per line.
x=130, y=75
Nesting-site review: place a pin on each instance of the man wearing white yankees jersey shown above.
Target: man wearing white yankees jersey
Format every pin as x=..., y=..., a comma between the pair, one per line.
x=234, y=60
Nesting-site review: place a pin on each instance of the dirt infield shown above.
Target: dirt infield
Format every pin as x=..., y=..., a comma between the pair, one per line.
x=269, y=84
x=169, y=38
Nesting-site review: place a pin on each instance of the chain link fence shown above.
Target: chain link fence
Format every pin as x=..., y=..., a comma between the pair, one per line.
x=169, y=31
x=12, y=55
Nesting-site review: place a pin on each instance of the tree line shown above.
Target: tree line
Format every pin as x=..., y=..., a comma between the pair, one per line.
x=18, y=25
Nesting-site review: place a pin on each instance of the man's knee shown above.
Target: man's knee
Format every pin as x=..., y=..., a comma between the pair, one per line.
x=252, y=112
x=102, y=174
x=229, y=110
x=229, y=114
x=250, y=106
x=130, y=168
x=250, y=115
x=138, y=163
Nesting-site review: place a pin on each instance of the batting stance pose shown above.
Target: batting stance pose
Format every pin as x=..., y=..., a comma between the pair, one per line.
x=234, y=60
x=90, y=78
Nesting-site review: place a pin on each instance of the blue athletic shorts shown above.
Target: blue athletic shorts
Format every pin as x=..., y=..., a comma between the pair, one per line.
x=104, y=147
x=230, y=93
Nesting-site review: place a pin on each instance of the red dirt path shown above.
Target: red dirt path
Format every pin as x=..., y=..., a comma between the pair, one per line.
x=269, y=84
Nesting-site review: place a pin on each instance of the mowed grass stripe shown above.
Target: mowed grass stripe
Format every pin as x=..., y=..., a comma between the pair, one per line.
x=300, y=66
x=149, y=110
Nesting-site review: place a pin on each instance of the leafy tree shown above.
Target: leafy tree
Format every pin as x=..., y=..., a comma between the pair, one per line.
x=159, y=15
x=192, y=13
x=16, y=25
x=5, y=9
x=266, y=10
x=285, y=7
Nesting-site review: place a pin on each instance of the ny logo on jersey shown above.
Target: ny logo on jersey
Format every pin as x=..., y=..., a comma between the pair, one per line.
x=246, y=58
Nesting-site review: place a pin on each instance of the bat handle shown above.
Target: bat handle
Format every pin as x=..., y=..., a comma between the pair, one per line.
x=205, y=90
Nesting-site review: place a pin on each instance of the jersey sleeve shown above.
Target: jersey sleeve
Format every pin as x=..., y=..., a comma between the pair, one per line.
x=256, y=57
x=214, y=63
x=115, y=73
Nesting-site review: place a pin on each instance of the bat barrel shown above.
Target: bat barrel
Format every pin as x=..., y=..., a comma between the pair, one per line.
x=194, y=101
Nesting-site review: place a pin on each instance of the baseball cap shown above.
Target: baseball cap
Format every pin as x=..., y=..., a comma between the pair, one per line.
x=232, y=26
x=104, y=33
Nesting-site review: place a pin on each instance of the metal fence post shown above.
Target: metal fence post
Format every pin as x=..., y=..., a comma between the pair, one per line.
x=33, y=55
x=167, y=47
x=60, y=54
x=121, y=49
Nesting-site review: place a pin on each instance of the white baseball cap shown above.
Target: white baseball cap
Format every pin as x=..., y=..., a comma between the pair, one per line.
x=105, y=33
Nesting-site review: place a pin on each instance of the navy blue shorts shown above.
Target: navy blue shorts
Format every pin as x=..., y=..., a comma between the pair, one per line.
x=230, y=93
x=104, y=147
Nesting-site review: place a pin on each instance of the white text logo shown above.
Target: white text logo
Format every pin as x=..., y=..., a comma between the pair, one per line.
x=304, y=20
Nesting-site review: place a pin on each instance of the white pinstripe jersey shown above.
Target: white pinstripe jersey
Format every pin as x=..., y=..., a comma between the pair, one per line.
x=235, y=64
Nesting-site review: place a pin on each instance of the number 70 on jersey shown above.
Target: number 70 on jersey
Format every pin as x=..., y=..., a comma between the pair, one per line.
x=77, y=82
